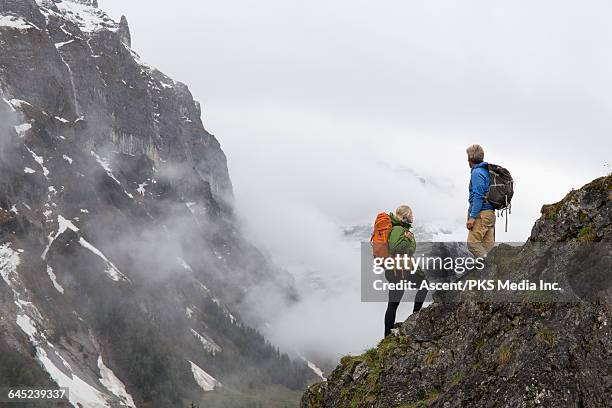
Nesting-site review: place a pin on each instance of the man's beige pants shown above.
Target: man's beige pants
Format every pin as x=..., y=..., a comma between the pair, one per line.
x=481, y=237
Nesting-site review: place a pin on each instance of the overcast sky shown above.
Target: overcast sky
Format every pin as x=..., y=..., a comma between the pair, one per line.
x=335, y=85
x=330, y=111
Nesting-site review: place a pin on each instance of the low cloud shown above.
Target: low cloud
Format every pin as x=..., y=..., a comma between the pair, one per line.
x=333, y=111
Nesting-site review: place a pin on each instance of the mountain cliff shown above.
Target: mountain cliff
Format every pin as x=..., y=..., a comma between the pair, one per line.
x=533, y=350
x=122, y=265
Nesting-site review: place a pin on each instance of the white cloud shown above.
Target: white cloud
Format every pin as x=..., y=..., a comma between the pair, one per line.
x=309, y=98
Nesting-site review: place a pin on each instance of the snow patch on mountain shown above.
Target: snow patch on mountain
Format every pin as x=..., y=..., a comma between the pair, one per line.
x=88, y=18
x=111, y=269
x=14, y=22
x=316, y=369
x=184, y=264
x=18, y=103
x=141, y=188
x=191, y=206
x=80, y=392
x=26, y=325
x=39, y=159
x=22, y=129
x=63, y=225
x=53, y=278
x=60, y=45
x=9, y=261
x=106, y=166
x=206, y=381
x=114, y=384
x=217, y=302
x=208, y=344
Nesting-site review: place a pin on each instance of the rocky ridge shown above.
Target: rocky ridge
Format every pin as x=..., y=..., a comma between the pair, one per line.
x=463, y=351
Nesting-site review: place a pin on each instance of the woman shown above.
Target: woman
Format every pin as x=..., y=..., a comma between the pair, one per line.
x=402, y=241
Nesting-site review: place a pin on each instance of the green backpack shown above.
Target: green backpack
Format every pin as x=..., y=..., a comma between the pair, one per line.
x=401, y=240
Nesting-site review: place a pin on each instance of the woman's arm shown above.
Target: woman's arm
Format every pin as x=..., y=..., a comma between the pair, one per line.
x=401, y=241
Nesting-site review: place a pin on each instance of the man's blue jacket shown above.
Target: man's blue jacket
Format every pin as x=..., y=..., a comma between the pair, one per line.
x=479, y=186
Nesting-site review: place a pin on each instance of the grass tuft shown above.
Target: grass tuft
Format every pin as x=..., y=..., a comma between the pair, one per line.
x=504, y=355
x=546, y=336
x=457, y=377
x=431, y=357
x=586, y=234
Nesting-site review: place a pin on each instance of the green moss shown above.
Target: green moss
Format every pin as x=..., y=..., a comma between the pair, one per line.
x=551, y=211
x=350, y=362
x=363, y=392
x=315, y=397
x=504, y=355
x=432, y=396
x=371, y=354
x=478, y=344
x=392, y=343
x=346, y=360
x=367, y=390
x=585, y=230
x=374, y=358
x=586, y=233
x=602, y=185
x=546, y=336
x=457, y=377
x=538, y=299
x=416, y=404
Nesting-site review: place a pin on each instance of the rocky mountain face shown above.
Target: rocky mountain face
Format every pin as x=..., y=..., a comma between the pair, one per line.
x=122, y=267
x=529, y=350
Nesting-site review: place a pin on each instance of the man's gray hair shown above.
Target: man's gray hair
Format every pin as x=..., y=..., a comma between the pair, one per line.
x=475, y=153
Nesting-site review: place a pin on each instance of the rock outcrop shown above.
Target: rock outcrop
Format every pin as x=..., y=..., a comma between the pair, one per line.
x=462, y=351
x=122, y=266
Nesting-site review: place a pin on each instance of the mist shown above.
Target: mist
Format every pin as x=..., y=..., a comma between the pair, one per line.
x=330, y=112
x=8, y=120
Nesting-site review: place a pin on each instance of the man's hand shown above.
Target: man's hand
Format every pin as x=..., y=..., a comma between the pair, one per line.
x=470, y=223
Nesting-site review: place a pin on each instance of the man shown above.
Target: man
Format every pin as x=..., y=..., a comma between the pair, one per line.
x=481, y=215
